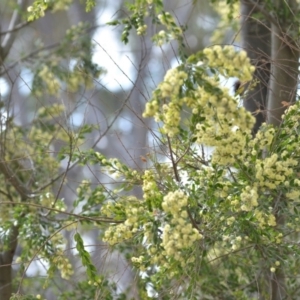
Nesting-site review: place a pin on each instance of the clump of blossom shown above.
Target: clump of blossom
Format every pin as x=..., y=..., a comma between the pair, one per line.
x=63, y=265
x=264, y=219
x=179, y=233
x=173, y=31
x=129, y=211
x=273, y=171
x=166, y=104
x=264, y=137
x=249, y=197
x=151, y=192
x=142, y=29
x=51, y=82
x=229, y=62
x=226, y=126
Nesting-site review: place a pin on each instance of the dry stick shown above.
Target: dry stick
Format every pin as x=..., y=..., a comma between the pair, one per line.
x=173, y=161
x=17, y=27
x=80, y=217
x=267, y=15
x=64, y=176
x=10, y=36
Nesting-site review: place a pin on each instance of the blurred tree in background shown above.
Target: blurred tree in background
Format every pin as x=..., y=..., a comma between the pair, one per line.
x=130, y=168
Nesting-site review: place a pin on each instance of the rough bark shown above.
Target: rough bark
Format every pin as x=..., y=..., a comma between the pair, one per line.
x=282, y=93
x=6, y=258
x=256, y=38
x=270, y=45
x=284, y=74
x=12, y=30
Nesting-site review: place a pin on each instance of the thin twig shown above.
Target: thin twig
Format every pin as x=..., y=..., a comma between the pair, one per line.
x=10, y=36
x=267, y=15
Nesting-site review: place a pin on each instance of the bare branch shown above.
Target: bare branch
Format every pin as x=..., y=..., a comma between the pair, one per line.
x=266, y=14
x=16, y=28
x=10, y=37
x=15, y=182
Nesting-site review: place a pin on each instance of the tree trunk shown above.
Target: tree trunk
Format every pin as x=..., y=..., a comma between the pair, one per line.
x=283, y=82
x=282, y=93
x=256, y=39
x=269, y=44
x=6, y=258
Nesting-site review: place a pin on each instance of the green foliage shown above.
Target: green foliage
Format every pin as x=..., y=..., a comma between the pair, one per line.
x=37, y=10
x=142, y=10
x=39, y=7
x=90, y=4
x=86, y=259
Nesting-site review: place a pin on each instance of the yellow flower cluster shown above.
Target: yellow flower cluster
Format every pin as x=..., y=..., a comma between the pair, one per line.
x=63, y=264
x=292, y=112
x=227, y=22
x=235, y=242
x=161, y=38
x=172, y=83
x=229, y=62
x=32, y=150
x=226, y=125
x=249, y=197
x=165, y=18
x=130, y=207
x=264, y=137
x=50, y=80
x=170, y=113
x=139, y=262
x=294, y=194
x=179, y=234
x=117, y=234
x=61, y=5
x=273, y=269
x=36, y=11
x=50, y=112
x=150, y=188
x=271, y=171
x=142, y=29
x=74, y=80
x=265, y=219
x=168, y=20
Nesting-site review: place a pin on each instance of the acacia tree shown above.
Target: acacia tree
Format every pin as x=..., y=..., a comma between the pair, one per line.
x=219, y=225
x=201, y=214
